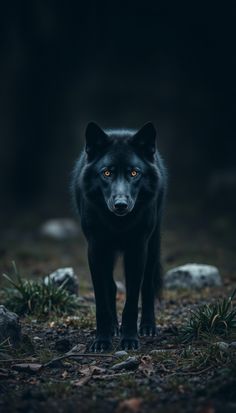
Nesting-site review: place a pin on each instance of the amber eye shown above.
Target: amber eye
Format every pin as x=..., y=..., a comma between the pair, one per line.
x=107, y=173
x=133, y=173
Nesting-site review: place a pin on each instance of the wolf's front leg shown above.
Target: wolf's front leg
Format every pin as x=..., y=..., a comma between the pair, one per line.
x=134, y=259
x=101, y=262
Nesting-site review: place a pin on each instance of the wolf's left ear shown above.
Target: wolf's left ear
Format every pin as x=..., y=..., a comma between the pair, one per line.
x=145, y=140
x=96, y=140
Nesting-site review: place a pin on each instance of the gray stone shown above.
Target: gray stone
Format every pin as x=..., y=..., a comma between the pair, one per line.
x=121, y=353
x=60, y=229
x=64, y=275
x=193, y=276
x=222, y=346
x=10, y=327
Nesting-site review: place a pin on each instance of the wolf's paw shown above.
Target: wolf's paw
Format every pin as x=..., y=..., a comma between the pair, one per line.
x=129, y=342
x=101, y=344
x=148, y=329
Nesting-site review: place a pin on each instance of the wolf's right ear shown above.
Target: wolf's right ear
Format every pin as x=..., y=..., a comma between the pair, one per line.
x=96, y=139
x=145, y=140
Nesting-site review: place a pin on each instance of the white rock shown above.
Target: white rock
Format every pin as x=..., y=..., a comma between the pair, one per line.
x=9, y=326
x=60, y=229
x=192, y=276
x=36, y=338
x=60, y=276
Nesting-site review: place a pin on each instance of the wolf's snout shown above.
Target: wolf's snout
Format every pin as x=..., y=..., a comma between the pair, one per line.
x=120, y=205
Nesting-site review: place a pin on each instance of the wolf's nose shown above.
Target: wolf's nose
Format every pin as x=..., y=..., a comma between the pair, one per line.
x=120, y=205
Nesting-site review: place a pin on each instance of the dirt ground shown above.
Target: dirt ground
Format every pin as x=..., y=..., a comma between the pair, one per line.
x=180, y=377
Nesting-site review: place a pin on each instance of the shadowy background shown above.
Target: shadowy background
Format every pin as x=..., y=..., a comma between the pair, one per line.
x=120, y=64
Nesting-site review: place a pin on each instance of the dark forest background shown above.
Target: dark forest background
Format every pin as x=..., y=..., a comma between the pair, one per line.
x=64, y=63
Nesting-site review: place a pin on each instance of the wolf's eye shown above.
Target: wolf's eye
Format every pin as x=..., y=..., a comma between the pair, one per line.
x=107, y=173
x=133, y=173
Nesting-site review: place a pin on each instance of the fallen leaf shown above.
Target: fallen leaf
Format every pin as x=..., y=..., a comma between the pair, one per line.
x=129, y=406
x=79, y=348
x=146, y=366
x=33, y=381
x=92, y=370
x=88, y=372
x=208, y=409
x=82, y=381
x=65, y=374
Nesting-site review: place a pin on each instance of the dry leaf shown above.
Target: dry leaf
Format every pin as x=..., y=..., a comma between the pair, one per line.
x=88, y=372
x=146, y=366
x=79, y=348
x=33, y=381
x=129, y=406
x=208, y=409
x=65, y=374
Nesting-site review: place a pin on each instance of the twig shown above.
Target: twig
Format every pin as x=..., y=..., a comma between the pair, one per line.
x=187, y=373
x=85, y=380
x=110, y=376
x=73, y=355
x=13, y=360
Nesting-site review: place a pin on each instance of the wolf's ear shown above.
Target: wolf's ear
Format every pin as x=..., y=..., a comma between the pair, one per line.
x=96, y=139
x=145, y=140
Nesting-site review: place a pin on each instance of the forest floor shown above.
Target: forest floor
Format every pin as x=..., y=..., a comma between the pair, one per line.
x=182, y=376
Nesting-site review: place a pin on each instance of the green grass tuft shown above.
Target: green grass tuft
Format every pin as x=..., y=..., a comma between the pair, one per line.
x=37, y=298
x=211, y=320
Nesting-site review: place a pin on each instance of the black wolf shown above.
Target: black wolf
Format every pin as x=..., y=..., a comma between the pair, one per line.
x=118, y=187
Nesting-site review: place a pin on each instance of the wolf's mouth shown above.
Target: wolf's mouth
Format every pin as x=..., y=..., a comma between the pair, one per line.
x=121, y=213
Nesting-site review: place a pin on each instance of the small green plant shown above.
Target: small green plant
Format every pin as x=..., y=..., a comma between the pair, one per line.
x=37, y=298
x=218, y=319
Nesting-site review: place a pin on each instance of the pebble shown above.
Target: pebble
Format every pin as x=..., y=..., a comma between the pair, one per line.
x=190, y=276
x=64, y=276
x=222, y=346
x=60, y=229
x=121, y=353
x=9, y=326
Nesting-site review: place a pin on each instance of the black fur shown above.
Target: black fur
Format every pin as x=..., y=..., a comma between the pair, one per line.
x=118, y=187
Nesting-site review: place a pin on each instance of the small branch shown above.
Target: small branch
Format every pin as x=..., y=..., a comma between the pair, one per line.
x=13, y=360
x=110, y=376
x=75, y=355
x=187, y=373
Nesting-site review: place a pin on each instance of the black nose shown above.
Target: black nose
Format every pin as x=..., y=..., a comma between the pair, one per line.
x=121, y=206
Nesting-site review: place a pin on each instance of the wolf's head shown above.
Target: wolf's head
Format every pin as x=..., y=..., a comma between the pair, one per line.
x=121, y=167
